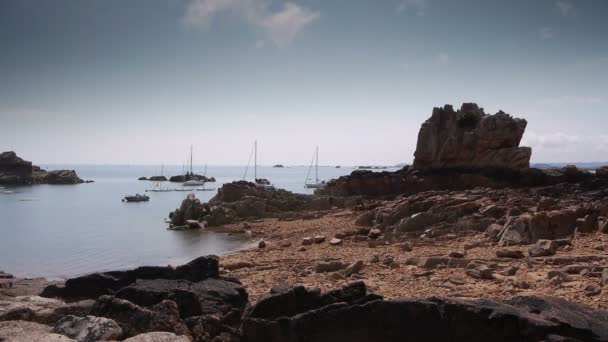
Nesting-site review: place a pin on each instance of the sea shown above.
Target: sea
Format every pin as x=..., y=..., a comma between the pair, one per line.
x=61, y=231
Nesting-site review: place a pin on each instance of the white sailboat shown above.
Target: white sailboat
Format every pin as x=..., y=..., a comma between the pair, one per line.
x=260, y=182
x=157, y=184
x=192, y=182
x=316, y=184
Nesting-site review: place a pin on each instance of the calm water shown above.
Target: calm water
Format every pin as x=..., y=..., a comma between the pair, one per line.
x=61, y=231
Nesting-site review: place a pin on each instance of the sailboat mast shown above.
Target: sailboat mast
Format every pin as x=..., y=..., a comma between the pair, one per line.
x=317, y=166
x=191, y=159
x=255, y=161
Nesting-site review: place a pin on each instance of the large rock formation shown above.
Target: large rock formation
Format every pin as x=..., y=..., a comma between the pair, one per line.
x=244, y=200
x=350, y=314
x=469, y=139
x=16, y=171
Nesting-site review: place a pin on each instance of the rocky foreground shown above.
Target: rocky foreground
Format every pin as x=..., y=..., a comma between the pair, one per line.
x=16, y=171
x=468, y=244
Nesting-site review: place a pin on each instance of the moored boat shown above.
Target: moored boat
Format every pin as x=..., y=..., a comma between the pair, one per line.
x=136, y=198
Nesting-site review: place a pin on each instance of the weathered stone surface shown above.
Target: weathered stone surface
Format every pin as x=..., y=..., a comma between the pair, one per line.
x=88, y=328
x=158, y=337
x=297, y=314
x=39, y=309
x=510, y=253
x=22, y=331
x=210, y=296
x=470, y=139
x=97, y=284
x=135, y=320
x=330, y=266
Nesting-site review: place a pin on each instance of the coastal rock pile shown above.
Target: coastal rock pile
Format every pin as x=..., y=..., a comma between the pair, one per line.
x=244, y=200
x=15, y=171
x=191, y=300
x=470, y=139
x=190, y=176
x=460, y=150
x=200, y=308
x=508, y=216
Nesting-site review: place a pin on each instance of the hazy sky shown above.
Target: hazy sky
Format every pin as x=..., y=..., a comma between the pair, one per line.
x=115, y=81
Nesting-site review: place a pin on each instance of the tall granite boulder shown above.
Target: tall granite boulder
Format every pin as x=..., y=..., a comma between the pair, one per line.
x=14, y=170
x=470, y=139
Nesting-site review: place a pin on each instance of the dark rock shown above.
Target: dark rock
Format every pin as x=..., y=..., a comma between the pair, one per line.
x=135, y=320
x=210, y=296
x=157, y=179
x=97, y=284
x=296, y=317
x=14, y=170
x=509, y=253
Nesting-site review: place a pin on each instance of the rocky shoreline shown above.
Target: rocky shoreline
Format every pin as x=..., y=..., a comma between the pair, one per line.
x=16, y=171
x=468, y=244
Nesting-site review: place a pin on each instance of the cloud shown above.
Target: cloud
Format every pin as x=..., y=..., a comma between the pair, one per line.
x=416, y=6
x=281, y=26
x=442, y=58
x=564, y=7
x=546, y=33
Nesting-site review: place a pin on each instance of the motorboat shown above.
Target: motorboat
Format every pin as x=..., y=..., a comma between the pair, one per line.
x=136, y=198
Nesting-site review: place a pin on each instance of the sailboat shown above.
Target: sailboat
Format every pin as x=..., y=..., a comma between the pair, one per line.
x=316, y=184
x=157, y=187
x=192, y=182
x=203, y=187
x=260, y=182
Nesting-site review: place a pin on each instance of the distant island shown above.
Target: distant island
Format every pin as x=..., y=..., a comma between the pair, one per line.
x=279, y=166
x=16, y=171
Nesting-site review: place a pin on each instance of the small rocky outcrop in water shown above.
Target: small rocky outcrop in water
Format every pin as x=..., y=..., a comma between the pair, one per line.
x=243, y=200
x=191, y=176
x=470, y=139
x=14, y=170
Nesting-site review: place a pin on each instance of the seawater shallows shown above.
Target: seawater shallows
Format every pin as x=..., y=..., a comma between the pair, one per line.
x=59, y=231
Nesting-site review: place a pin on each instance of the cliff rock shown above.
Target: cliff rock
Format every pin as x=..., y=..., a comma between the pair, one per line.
x=470, y=139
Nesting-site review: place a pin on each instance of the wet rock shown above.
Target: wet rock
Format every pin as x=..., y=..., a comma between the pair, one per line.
x=510, y=253
x=193, y=224
x=88, y=328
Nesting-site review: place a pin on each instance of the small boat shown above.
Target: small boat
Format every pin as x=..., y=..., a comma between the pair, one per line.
x=136, y=198
x=316, y=184
x=182, y=189
x=193, y=182
x=259, y=182
x=205, y=189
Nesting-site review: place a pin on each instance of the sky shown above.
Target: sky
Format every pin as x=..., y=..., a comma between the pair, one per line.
x=138, y=82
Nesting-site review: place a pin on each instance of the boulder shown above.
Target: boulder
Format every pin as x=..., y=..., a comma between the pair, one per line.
x=14, y=170
x=88, y=328
x=210, y=296
x=97, y=284
x=470, y=139
x=40, y=310
x=135, y=320
x=510, y=253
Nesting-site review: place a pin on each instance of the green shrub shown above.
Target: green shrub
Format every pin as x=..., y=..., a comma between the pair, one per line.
x=468, y=119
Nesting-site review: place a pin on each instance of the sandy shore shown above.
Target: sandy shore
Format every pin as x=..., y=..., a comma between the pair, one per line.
x=283, y=263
